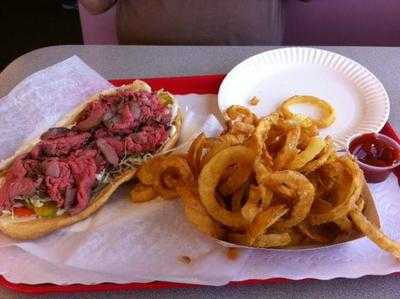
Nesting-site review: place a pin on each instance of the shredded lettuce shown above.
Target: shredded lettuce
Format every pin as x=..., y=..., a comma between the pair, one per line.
x=103, y=177
x=34, y=200
x=6, y=212
x=132, y=161
x=127, y=161
x=60, y=212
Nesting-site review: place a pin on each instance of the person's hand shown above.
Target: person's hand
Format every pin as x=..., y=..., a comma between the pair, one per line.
x=96, y=7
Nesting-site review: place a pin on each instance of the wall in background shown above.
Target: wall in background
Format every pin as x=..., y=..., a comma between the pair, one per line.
x=343, y=22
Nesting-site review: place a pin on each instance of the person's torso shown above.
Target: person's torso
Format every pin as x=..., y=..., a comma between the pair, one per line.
x=199, y=22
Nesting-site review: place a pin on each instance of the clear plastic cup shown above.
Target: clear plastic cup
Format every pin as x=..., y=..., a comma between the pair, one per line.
x=376, y=174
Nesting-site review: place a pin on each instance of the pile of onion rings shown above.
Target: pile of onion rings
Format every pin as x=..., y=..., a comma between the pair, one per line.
x=266, y=182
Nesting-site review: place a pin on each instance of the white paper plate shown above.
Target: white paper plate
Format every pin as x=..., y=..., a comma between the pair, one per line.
x=359, y=98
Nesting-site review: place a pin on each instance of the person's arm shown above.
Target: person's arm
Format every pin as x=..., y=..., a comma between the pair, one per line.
x=96, y=7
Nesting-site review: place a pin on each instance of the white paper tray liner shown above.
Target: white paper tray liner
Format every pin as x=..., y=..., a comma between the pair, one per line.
x=127, y=242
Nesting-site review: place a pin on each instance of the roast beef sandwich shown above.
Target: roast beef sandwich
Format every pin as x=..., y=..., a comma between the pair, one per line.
x=71, y=171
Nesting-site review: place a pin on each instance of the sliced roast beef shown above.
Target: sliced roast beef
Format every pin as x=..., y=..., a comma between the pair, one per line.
x=136, y=110
x=108, y=151
x=148, y=139
x=123, y=122
x=83, y=166
x=16, y=184
x=64, y=145
x=151, y=109
x=101, y=133
x=91, y=116
x=33, y=168
x=101, y=162
x=117, y=144
x=108, y=116
x=113, y=100
x=58, y=179
x=36, y=152
x=54, y=133
x=51, y=168
x=70, y=195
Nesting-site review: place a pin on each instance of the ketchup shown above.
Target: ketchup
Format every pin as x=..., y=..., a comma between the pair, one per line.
x=372, y=150
x=377, y=153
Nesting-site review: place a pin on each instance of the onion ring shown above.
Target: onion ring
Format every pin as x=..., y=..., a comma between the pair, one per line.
x=209, y=178
x=181, y=169
x=263, y=241
x=238, y=128
x=291, y=183
x=321, y=159
x=195, y=152
x=328, y=112
x=236, y=112
x=264, y=220
x=315, y=146
x=289, y=150
x=261, y=132
x=272, y=240
x=253, y=205
x=313, y=233
x=237, y=197
x=343, y=223
x=217, y=145
x=347, y=197
x=145, y=172
x=142, y=193
x=197, y=214
x=236, y=179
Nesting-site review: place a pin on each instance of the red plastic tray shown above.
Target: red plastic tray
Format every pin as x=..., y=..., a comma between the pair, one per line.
x=176, y=85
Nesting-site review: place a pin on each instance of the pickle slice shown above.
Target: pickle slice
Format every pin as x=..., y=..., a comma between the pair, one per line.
x=48, y=210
